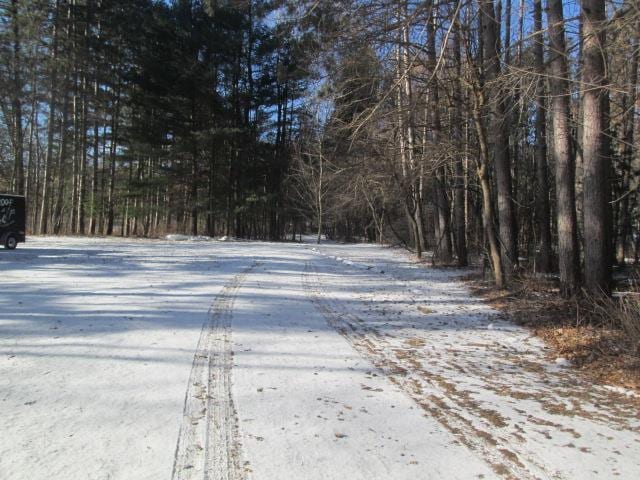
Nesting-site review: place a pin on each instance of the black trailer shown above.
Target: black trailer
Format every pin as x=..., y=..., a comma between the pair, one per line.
x=12, y=220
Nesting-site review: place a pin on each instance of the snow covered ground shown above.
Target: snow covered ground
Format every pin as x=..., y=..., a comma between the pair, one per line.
x=228, y=360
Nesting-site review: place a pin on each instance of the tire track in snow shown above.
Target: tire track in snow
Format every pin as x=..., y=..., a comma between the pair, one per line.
x=368, y=342
x=208, y=443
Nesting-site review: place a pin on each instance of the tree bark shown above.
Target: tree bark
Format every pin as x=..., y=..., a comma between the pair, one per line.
x=596, y=162
x=460, y=233
x=441, y=202
x=543, y=260
x=488, y=215
x=115, y=121
x=629, y=125
x=406, y=144
x=16, y=101
x=43, y=224
x=61, y=164
x=499, y=140
x=561, y=151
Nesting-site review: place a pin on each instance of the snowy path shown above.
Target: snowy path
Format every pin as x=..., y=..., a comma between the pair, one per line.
x=148, y=360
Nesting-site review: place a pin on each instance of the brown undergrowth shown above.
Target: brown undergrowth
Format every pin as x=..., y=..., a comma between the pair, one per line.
x=586, y=331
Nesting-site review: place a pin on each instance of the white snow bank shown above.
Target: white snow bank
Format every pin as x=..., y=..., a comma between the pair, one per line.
x=191, y=238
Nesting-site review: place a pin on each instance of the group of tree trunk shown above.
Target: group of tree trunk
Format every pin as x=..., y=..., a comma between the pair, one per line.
x=483, y=126
x=140, y=117
x=491, y=128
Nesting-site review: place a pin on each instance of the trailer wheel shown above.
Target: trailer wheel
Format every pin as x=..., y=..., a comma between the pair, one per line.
x=11, y=242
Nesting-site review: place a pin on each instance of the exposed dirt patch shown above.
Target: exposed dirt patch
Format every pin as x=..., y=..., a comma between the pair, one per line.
x=426, y=310
x=415, y=342
x=603, y=352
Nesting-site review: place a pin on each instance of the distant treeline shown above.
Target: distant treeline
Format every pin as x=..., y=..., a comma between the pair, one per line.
x=141, y=117
x=493, y=128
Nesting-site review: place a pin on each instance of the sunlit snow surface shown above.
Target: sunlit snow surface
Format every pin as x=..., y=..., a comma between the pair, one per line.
x=347, y=362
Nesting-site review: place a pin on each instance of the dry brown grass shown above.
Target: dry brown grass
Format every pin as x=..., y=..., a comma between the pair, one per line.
x=629, y=318
x=599, y=335
x=620, y=311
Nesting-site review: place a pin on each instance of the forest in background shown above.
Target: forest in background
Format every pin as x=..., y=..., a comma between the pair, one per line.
x=144, y=117
x=505, y=130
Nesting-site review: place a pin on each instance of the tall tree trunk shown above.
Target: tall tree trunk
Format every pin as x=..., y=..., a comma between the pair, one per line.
x=82, y=187
x=459, y=220
x=414, y=180
x=629, y=125
x=441, y=201
x=115, y=121
x=16, y=101
x=194, y=196
x=499, y=140
x=477, y=107
x=61, y=164
x=211, y=199
x=110, y=220
x=84, y=82
x=507, y=32
x=594, y=152
x=32, y=173
x=96, y=154
x=93, y=201
x=488, y=216
x=75, y=153
x=410, y=183
x=543, y=260
x=43, y=226
x=561, y=151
